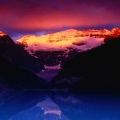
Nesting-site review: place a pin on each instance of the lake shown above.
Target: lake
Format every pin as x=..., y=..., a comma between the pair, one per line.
x=39, y=105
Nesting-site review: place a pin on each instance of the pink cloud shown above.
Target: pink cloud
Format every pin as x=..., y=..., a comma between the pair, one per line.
x=31, y=14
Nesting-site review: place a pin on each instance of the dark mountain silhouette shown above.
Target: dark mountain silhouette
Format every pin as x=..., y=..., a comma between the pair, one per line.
x=18, y=78
x=17, y=66
x=96, y=69
x=17, y=55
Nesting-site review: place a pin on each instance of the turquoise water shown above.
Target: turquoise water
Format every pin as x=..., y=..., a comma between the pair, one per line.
x=58, y=106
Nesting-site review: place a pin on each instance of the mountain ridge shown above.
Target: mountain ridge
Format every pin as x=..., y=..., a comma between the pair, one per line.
x=93, y=70
x=61, y=40
x=16, y=54
x=17, y=59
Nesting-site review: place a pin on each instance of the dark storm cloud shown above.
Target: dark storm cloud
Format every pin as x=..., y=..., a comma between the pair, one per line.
x=39, y=15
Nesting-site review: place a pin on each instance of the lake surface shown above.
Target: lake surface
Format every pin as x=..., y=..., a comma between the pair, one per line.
x=40, y=105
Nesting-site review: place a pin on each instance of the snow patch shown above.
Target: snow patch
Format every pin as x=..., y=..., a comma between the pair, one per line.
x=90, y=42
x=56, y=112
x=52, y=67
x=49, y=72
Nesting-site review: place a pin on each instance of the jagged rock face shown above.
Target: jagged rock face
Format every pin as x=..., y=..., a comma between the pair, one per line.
x=17, y=55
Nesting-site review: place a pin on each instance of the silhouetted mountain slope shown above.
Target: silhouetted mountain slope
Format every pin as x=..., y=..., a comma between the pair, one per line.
x=17, y=55
x=96, y=69
x=16, y=77
x=16, y=66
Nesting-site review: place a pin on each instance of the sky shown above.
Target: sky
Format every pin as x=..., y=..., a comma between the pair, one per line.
x=21, y=17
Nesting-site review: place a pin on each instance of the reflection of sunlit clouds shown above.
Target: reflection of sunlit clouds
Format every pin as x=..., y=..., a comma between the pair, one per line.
x=56, y=112
x=44, y=110
x=70, y=99
x=51, y=110
x=80, y=106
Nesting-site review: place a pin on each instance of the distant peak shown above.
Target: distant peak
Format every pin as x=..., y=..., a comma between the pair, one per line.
x=115, y=32
x=115, y=29
x=2, y=33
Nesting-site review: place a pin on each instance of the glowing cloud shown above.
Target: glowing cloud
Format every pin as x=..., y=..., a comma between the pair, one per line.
x=27, y=15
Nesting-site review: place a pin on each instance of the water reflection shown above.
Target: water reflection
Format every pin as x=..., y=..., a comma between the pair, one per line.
x=89, y=106
x=48, y=106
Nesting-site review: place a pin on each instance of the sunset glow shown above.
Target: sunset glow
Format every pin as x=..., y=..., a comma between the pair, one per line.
x=18, y=18
x=59, y=59
x=2, y=33
x=65, y=39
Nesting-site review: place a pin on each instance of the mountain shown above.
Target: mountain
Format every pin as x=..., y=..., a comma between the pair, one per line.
x=87, y=60
x=115, y=32
x=17, y=55
x=17, y=78
x=96, y=69
x=17, y=66
x=56, y=48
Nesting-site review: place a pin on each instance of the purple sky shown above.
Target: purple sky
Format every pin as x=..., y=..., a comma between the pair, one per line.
x=19, y=17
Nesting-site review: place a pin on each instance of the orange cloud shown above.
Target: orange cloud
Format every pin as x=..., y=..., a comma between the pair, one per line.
x=50, y=14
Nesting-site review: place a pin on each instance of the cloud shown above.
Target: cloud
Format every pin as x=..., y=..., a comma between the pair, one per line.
x=29, y=15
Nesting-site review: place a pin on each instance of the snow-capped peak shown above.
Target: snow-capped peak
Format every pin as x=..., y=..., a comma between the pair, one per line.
x=62, y=40
x=115, y=32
